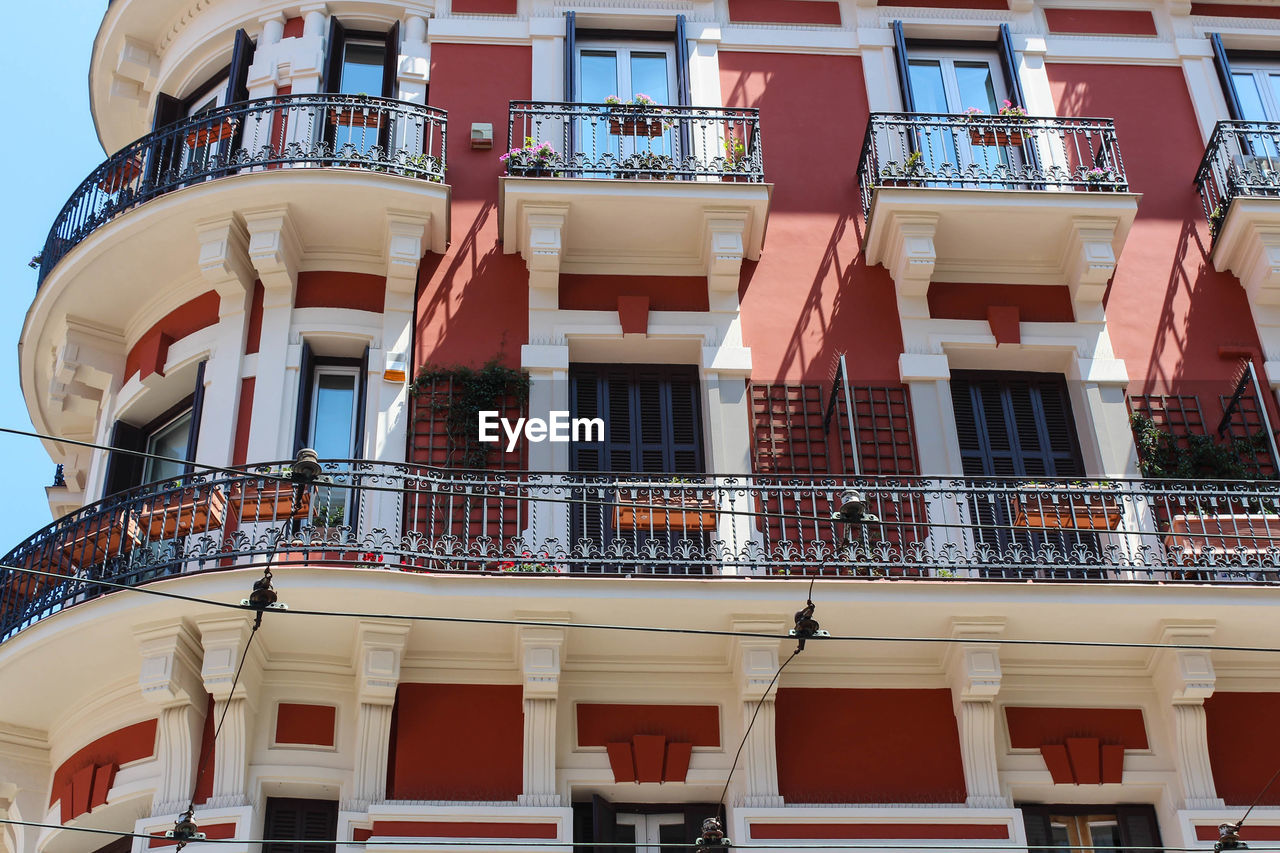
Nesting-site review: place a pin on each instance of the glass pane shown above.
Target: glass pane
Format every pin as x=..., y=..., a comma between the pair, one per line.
x=1059, y=836
x=926, y=86
x=170, y=440
x=625, y=834
x=334, y=405
x=672, y=833
x=649, y=76
x=599, y=77
x=977, y=89
x=1104, y=834
x=362, y=64
x=935, y=142
x=1250, y=98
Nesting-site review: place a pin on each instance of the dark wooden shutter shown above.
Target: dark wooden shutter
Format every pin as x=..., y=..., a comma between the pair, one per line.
x=336, y=47
x=302, y=420
x=241, y=59
x=197, y=413
x=570, y=62
x=1036, y=821
x=652, y=417
x=362, y=399
x=1014, y=425
x=1138, y=826
x=1009, y=62
x=585, y=401
x=684, y=93
x=168, y=110
x=604, y=823
x=124, y=470
x=391, y=63
x=166, y=151
x=1221, y=63
x=299, y=820
x=904, y=73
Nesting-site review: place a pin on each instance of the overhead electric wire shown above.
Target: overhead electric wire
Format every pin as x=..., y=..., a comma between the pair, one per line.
x=654, y=629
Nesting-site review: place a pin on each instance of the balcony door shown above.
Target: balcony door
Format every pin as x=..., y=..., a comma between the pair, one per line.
x=951, y=84
x=1015, y=431
x=625, y=70
x=1258, y=93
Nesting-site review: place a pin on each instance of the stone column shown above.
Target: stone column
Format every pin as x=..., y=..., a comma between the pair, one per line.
x=541, y=651
x=170, y=678
x=974, y=671
x=275, y=252
x=224, y=641
x=1184, y=679
x=756, y=663
x=379, y=650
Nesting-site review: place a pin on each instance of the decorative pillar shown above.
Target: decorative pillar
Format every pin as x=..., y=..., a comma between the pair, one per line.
x=379, y=650
x=275, y=252
x=170, y=678
x=974, y=671
x=224, y=641
x=1184, y=679
x=756, y=662
x=541, y=651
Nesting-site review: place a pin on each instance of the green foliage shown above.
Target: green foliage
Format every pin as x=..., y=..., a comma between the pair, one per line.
x=472, y=390
x=1162, y=455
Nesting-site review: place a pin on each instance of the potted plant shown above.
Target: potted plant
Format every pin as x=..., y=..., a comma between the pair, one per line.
x=1093, y=506
x=1098, y=179
x=529, y=563
x=908, y=174
x=994, y=130
x=182, y=512
x=648, y=165
x=736, y=165
x=358, y=114
x=1216, y=218
x=212, y=133
x=119, y=175
x=657, y=505
x=533, y=160
x=637, y=117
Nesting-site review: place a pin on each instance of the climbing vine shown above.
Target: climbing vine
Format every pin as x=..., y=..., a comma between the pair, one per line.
x=471, y=390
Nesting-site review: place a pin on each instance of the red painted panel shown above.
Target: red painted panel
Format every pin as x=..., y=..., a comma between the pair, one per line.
x=948, y=4
x=189, y=317
x=81, y=789
x=811, y=294
x=621, y=761
x=204, y=782
x=1131, y=22
x=1112, y=763
x=665, y=292
x=253, y=335
x=294, y=27
x=357, y=291
x=1005, y=323
x=214, y=831
x=1234, y=10
x=600, y=724
x=1035, y=303
x=834, y=746
x=1165, y=270
x=1251, y=832
x=678, y=755
x=474, y=735
x=1243, y=749
x=310, y=725
x=484, y=7
x=1085, y=760
x=1031, y=727
x=244, y=418
x=909, y=831
x=103, y=777
x=473, y=301
x=151, y=352
x=785, y=11
x=633, y=314
x=453, y=829
x=122, y=746
x=1055, y=758
x=650, y=751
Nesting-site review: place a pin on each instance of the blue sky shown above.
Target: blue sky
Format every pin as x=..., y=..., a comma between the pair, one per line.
x=43, y=158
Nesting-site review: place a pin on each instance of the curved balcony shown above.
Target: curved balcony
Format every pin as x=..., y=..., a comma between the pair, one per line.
x=279, y=133
x=410, y=518
x=995, y=198
x=595, y=187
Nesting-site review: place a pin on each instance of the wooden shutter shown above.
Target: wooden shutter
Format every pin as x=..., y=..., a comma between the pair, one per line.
x=1224, y=76
x=1014, y=425
x=166, y=151
x=302, y=420
x=684, y=92
x=124, y=470
x=652, y=417
x=241, y=59
x=362, y=401
x=1138, y=826
x=604, y=823
x=300, y=820
x=336, y=46
x=391, y=63
x=1036, y=821
x=197, y=413
x=1009, y=62
x=168, y=110
x=570, y=51
x=904, y=73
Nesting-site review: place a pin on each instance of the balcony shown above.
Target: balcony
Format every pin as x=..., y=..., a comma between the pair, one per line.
x=995, y=199
x=1239, y=184
x=414, y=519
x=278, y=137
x=627, y=189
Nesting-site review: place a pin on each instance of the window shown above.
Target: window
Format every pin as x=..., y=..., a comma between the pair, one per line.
x=637, y=828
x=172, y=439
x=172, y=434
x=643, y=832
x=951, y=84
x=363, y=63
x=1091, y=829
x=331, y=402
x=360, y=63
x=299, y=820
x=627, y=71
x=652, y=417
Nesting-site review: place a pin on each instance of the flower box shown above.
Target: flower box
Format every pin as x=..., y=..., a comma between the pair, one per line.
x=51, y=558
x=96, y=539
x=1196, y=533
x=645, y=510
x=1072, y=509
x=357, y=117
x=272, y=501
x=211, y=134
x=194, y=510
x=121, y=175
x=995, y=136
x=636, y=126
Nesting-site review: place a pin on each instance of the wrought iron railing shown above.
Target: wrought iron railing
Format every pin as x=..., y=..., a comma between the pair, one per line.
x=411, y=518
x=989, y=152
x=286, y=131
x=1241, y=159
x=629, y=141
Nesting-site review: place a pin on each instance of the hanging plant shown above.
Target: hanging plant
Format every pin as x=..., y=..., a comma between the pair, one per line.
x=471, y=390
x=1162, y=455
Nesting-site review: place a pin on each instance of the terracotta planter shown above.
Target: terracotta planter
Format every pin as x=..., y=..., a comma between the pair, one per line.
x=649, y=127
x=994, y=136
x=1089, y=511
x=1224, y=533
x=272, y=501
x=122, y=175
x=644, y=511
x=211, y=134
x=356, y=117
x=191, y=511
x=54, y=559
x=100, y=538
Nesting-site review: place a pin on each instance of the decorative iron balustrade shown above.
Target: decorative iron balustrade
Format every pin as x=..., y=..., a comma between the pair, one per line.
x=282, y=132
x=1241, y=159
x=417, y=519
x=634, y=141
x=989, y=152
